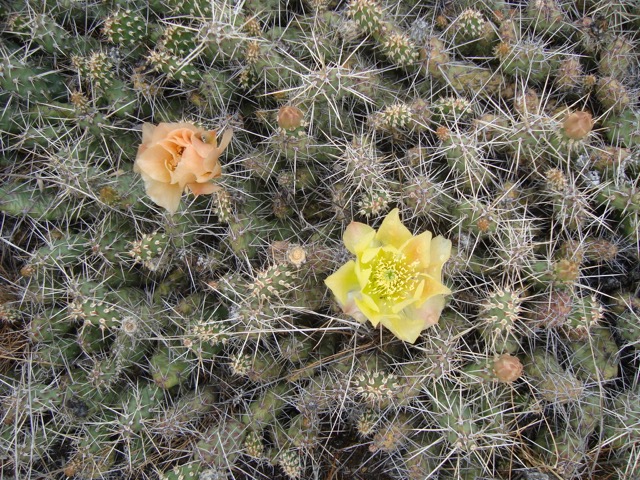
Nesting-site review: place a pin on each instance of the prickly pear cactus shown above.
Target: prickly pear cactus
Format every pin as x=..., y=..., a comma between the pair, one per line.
x=303, y=239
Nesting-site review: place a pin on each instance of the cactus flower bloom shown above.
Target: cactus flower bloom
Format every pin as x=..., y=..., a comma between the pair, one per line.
x=175, y=157
x=395, y=279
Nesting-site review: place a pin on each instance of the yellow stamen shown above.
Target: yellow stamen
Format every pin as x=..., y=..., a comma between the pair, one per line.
x=392, y=277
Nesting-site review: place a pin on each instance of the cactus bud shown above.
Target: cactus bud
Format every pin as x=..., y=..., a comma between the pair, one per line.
x=290, y=117
x=577, y=125
x=507, y=368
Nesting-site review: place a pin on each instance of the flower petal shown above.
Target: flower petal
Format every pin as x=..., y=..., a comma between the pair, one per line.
x=192, y=164
x=362, y=274
x=392, y=231
x=203, y=188
x=418, y=249
x=148, y=130
x=164, y=194
x=440, y=252
x=405, y=328
x=430, y=288
x=368, y=303
x=164, y=130
x=343, y=281
x=346, y=289
x=226, y=139
x=208, y=151
x=151, y=161
x=206, y=145
x=357, y=236
x=369, y=254
x=413, y=320
x=182, y=134
x=183, y=178
x=401, y=305
x=429, y=312
x=369, y=309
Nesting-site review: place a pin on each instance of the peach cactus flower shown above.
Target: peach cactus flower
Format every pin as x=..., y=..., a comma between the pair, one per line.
x=395, y=279
x=175, y=157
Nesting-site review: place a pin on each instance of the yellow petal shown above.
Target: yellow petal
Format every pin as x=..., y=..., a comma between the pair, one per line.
x=428, y=313
x=418, y=249
x=368, y=254
x=374, y=315
x=358, y=236
x=419, y=289
x=366, y=303
x=440, y=253
x=362, y=274
x=405, y=328
x=342, y=282
x=412, y=321
x=392, y=231
x=432, y=287
x=401, y=305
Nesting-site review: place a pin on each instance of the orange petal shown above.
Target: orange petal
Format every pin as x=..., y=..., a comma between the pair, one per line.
x=148, y=130
x=203, y=188
x=163, y=130
x=183, y=136
x=226, y=139
x=207, y=151
x=192, y=163
x=182, y=177
x=164, y=194
x=152, y=162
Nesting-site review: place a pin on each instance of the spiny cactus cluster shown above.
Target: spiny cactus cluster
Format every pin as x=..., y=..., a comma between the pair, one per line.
x=204, y=344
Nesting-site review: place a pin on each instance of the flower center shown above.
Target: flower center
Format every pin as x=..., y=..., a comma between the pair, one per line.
x=392, y=277
x=173, y=162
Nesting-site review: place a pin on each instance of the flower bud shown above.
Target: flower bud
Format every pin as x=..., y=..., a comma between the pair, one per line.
x=296, y=255
x=577, y=125
x=290, y=117
x=507, y=368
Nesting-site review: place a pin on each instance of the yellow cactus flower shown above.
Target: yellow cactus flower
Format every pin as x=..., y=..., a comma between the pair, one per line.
x=396, y=278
